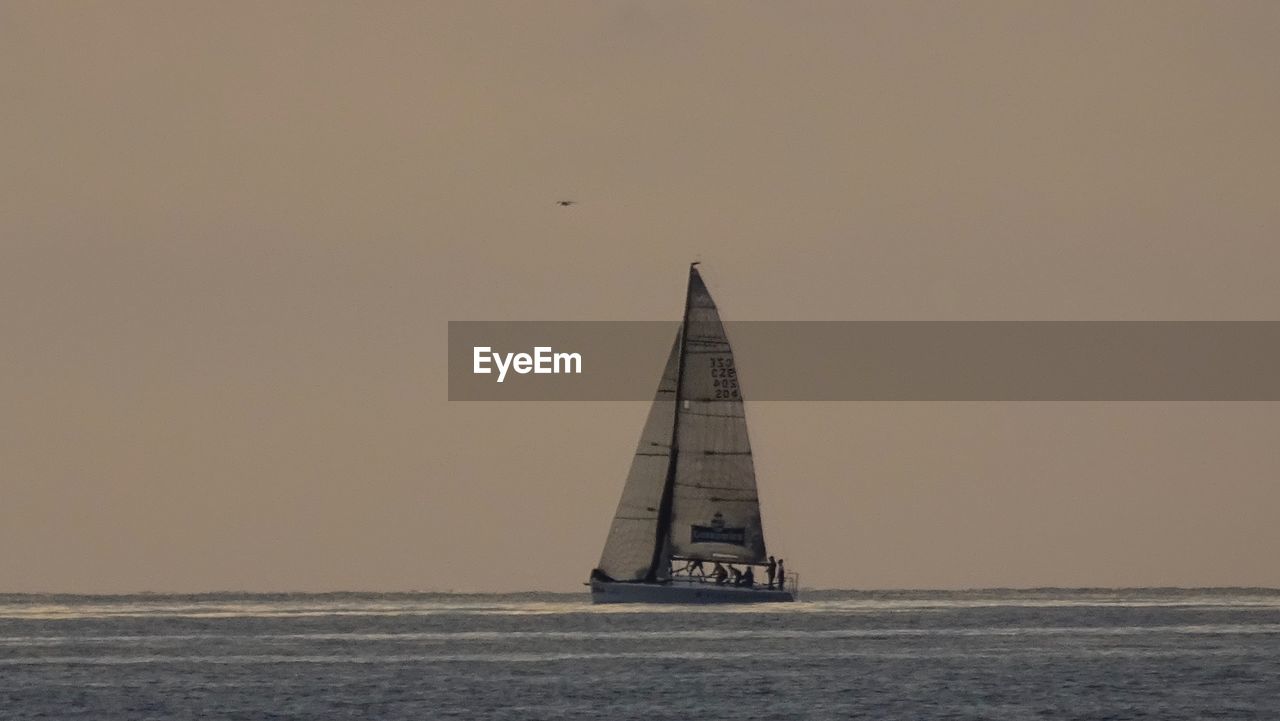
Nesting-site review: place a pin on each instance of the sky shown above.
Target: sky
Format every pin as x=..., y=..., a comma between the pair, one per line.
x=232, y=235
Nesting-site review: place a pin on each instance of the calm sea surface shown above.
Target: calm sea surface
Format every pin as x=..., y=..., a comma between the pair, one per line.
x=1062, y=654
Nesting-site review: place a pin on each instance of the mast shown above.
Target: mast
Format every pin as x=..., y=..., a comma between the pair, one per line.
x=668, y=487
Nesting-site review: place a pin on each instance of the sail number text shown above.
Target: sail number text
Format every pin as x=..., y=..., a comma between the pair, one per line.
x=724, y=379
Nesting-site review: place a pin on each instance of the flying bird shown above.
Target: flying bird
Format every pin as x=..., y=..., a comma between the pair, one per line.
x=566, y=203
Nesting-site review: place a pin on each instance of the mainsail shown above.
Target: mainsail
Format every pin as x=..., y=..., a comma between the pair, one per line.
x=691, y=492
x=715, y=512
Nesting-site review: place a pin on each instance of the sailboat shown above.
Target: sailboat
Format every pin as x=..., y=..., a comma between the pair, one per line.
x=689, y=514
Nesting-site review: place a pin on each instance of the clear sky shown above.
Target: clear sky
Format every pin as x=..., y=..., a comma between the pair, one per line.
x=231, y=236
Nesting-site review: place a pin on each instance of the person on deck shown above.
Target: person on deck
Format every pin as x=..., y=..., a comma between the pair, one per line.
x=696, y=567
x=737, y=575
x=772, y=570
x=782, y=575
x=719, y=574
x=749, y=578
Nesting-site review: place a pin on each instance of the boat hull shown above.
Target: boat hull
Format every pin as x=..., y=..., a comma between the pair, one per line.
x=686, y=593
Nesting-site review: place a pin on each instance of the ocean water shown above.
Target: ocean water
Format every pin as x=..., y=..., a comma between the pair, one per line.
x=1043, y=654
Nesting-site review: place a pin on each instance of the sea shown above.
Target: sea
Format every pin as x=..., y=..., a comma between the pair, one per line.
x=1097, y=654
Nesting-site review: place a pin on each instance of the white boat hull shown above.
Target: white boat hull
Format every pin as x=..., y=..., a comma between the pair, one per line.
x=614, y=592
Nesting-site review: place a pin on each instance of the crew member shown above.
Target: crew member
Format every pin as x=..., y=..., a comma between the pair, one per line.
x=719, y=574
